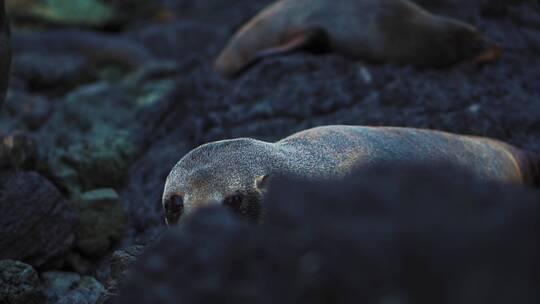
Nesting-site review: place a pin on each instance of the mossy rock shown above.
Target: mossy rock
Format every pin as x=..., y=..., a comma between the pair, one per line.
x=92, y=13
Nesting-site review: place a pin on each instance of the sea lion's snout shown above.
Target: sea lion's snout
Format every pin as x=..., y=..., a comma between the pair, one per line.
x=226, y=64
x=491, y=52
x=480, y=49
x=174, y=207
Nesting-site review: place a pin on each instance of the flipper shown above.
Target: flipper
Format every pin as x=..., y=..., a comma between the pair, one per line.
x=314, y=40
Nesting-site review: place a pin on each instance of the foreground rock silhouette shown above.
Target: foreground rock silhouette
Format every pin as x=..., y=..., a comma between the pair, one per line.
x=386, y=235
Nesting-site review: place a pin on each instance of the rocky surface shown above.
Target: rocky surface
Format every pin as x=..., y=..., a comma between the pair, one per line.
x=19, y=284
x=101, y=221
x=71, y=288
x=437, y=236
x=37, y=222
x=17, y=151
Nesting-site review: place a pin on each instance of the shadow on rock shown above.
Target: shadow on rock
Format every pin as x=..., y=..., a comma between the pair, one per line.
x=385, y=235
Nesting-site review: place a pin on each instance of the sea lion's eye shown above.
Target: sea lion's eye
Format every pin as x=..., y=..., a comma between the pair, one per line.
x=174, y=207
x=234, y=202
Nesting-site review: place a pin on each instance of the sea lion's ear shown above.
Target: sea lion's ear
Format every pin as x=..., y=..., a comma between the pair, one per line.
x=261, y=182
x=313, y=39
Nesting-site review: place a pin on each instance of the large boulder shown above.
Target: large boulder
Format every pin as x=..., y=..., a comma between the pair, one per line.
x=37, y=224
x=386, y=235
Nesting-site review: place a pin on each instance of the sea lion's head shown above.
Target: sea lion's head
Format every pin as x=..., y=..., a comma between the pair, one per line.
x=461, y=42
x=232, y=173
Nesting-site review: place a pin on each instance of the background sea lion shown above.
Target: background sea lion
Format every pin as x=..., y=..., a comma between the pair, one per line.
x=235, y=172
x=5, y=52
x=396, y=31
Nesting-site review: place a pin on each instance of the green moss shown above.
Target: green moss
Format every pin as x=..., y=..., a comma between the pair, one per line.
x=74, y=12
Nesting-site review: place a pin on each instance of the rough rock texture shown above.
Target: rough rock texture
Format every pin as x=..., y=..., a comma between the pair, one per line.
x=60, y=281
x=101, y=221
x=121, y=262
x=87, y=291
x=37, y=224
x=17, y=151
x=75, y=12
x=434, y=236
x=19, y=284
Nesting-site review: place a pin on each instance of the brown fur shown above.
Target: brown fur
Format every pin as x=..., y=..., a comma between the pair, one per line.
x=396, y=31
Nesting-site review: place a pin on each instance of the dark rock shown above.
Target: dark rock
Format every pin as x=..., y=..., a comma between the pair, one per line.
x=70, y=288
x=36, y=224
x=89, y=13
x=87, y=291
x=5, y=53
x=198, y=38
x=101, y=221
x=42, y=71
x=19, y=284
x=24, y=111
x=390, y=234
x=95, y=47
x=59, y=281
x=123, y=259
x=17, y=151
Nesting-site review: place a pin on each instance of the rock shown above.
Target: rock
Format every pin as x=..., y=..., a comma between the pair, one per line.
x=17, y=151
x=70, y=288
x=199, y=38
x=120, y=263
x=53, y=73
x=59, y=281
x=389, y=234
x=91, y=13
x=92, y=163
x=96, y=49
x=78, y=263
x=25, y=111
x=37, y=224
x=19, y=284
x=123, y=259
x=102, y=221
x=152, y=81
x=87, y=292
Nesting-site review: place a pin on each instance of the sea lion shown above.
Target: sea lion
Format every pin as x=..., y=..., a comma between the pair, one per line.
x=235, y=172
x=397, y=31
x=5, y=52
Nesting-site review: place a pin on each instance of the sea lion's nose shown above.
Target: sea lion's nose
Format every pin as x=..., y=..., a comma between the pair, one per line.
x=204, y=203
x=174, y=208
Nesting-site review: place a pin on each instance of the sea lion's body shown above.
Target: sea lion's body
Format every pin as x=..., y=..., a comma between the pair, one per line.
x=5, y=53
x=333, y=151
x=396, y=31
x=216, y=171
